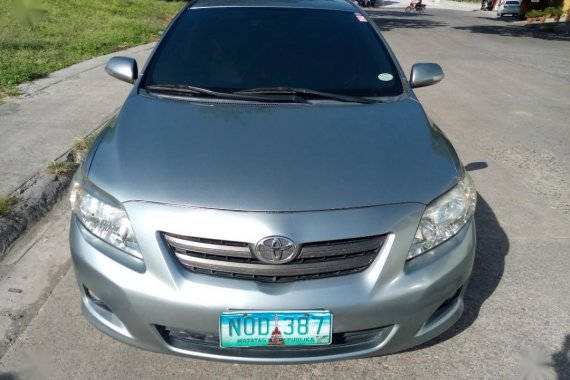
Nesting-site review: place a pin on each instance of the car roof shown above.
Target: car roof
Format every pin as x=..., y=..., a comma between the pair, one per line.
x=339, y=5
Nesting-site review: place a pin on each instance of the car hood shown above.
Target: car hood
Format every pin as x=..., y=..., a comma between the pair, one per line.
x=267, y=157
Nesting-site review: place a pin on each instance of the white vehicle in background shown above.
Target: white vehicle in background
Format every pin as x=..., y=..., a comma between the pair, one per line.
x=511, y=7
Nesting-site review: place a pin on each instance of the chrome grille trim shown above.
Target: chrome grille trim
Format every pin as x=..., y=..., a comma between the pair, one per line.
x=275, y=270
x=341, y=247
x=236, y=259
x=194, y=245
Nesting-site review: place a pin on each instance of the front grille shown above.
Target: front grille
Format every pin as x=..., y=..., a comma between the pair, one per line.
x=236, y=260
x=187, y=339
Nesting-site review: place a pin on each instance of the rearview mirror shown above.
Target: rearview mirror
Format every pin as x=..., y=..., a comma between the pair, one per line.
x=425, y=74
x=123, y=68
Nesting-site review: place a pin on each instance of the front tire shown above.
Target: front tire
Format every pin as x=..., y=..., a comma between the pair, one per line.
x=408, y=9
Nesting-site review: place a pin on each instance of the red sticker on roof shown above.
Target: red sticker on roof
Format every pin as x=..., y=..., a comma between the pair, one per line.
x=360, y=17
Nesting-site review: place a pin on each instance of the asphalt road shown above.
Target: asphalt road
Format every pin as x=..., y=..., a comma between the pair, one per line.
x=505, y=106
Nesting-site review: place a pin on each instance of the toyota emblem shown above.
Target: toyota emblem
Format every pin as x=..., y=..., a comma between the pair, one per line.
x=276, y=250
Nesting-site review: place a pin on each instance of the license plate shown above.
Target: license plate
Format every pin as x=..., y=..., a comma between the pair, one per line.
x=275, y=328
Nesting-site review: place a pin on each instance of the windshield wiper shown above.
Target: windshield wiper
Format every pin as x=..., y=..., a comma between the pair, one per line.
x=193, y=91
x=306, y=91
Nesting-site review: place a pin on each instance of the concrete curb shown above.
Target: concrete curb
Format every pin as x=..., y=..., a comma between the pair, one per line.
x=34, y=199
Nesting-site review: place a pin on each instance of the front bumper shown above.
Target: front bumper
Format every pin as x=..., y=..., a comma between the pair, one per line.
x=398, y=304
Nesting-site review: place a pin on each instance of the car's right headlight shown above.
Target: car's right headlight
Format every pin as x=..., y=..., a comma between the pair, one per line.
x=103, y=216
x=444, y=217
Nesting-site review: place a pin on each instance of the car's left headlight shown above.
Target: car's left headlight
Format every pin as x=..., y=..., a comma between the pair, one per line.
x=103, y=216
x=445, y=216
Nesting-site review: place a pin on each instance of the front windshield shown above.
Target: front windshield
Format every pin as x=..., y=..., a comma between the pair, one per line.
x=234, y=49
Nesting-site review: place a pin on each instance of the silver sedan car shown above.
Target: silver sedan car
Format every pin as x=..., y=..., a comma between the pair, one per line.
x=272, y=191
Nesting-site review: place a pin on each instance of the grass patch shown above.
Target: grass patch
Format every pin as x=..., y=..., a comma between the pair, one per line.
x=41, y=36
x=81, y=146
x=61, y=167
x=78, y=151
x=6, y=204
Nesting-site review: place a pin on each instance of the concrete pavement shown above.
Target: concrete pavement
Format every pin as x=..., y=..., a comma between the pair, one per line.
x=40, y=126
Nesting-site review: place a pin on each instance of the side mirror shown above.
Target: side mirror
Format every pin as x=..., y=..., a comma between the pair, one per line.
x=425, y=74
x=123, y=68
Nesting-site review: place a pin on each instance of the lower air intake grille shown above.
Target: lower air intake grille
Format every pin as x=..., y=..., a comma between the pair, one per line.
x=186, y=339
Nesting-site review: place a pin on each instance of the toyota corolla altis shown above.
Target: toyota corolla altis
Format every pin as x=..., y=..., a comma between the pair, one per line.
x=272, y=191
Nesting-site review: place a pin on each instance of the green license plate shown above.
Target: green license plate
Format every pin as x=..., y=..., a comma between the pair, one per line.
x=275, y=328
